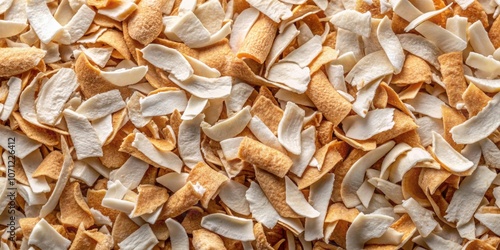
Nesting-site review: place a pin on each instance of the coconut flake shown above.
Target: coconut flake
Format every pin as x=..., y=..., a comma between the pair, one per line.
x=24, y=145
x=99, y=56
x=366, y=227
x=30, y=164
x=14, y=84
x=31, y=197
x=427, y=104
x=306, y=53
x=458, y=26
x=11, y=28
x=134, y=110
x=99, y=218
x=290, y=74
x=426, y=125
x=83, y=172
x=273, y=9
x=42, y=21
x=209, y=88
x=295, y=199
x=390, y=44
x=101, y=105
x=319, y=197
x=189, y=141
x=194, y=107
x=263, y=133
x=375, y=122
x=103, y=127
x=261, y=208
x=169, y=60
x=490, y=220
x=444, y=39
x=391, y=157
x=130, y=173
x=468, y=196
x=83, y=135
x=193, y=36
x=173, y=181
x=308, y=148
x=229, y=127
x=240, y=93
x=290, y=127
x=229, y=226
x=464, y=4
x=487, y=66
x=125, y=77
x=392, y=191
x=449, y=157
x=354, y=21
x=408, y=161
x=423, y=218
x=479, y=39
x=491, y=153
x=46, y=237
x=163, y=103
x=54, y=94
x=364, y=97
x=144, y=238
x=370, y=68
x=355, y=176
x=201, y=69
x=424, y=17
x=233, y=193
x=281, y=41
x=164, y=159
x=421, y=47
x=80, y=23
x=486, y=85
x=120, y=11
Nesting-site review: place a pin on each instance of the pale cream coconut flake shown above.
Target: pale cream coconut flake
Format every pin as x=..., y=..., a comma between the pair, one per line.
x=444, y=39
x=479, y=39
x=366, y=227
x=486, y=85
x=80, y=23
x=423, y=218
x=427, y=104
x=194, y=107
x=201, y=69
x=169, y=60
x=261, y=208
x=83, y=172
x=99, y=56
x=290, y=74
x=233, y=193
x=448, y=156
x=319, y=197
x=189, y=141
x=296, y=200
x=101, y=105
x=421, y=47
x=103, y=127
x=308, y=148
x=30, y=164
x=488, y=67
x=134, y=110
x=392, y=191
x=458, y=26
x=164, y=159
x=281, y=41
x=273, y=9
x=240, y=92
x=391, y=157
x=229, y=127
x=130, y=173
x=24, y=145
x=203, y=87
x=229, y=226
x=491, y=221
x=143, y=238
x=370, y=68
x=290, y=127
x=46, y=237
x=424, y=17
x=120, y=11
x=364, y=97
x=83, y=135
x=491, y=153
x=434, y=241
x=42, y=21
x=14, y=84
x=354, y=21
x=163, y=103
x=375, y=122
x=193, y=36
x=11, y=28
x=405, y=162
x=304, y=54
x=31, y=197
x=263, y=133
x=390, y=44
x=124, y=77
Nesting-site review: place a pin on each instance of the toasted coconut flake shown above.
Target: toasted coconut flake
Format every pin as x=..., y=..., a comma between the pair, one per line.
x=187, y=196
x=355, y=176
x=143, y=238
x=370, y=68
x=24, y=145
x=290, y=127
x=241, y=26
x=74, y=209
x=421, y=47
x=467, y=198
x=44, y=236
x=408, y=161
x=229, y=127
x=290, y=74
x=101, y=105
x=444, y=39
x=427, y=104
x=273, y=9
x=204, y=239
x=233, y=193
x=149, y=199
x=259, y=40
x=163, y=103
x=261, y=208
x=54, y=94
x=319, y=196
x=365, y=228
x=209, y=88
x=391, y=157
x=423, y=218
x=83, y=135
x=120, y=11
x=210, y=179
x=229, y=226
x=42, y=21
x=169, y=60
x=14, y=84
x=449, y=157
x=264, y=157
x=390, y=44
x=173, y=181
x=375, y=122
x=308, y=148
x=30, y=163
x=189, y=141
x=295, y=199
x=164, y=159
x=415, y=70
x=354, y=21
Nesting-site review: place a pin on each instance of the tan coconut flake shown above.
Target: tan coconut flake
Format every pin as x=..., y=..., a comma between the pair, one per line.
x=188, y=195
x=204, y=239
x=423, y=218
x=260, y=207
x=319, y=195
x=169, y=60
x=210, y=179
x=273, y=9
x=467, y=198
x=44, y=236
x=24, y=145
x=479, y=39
x=143, y=238
x=229, y=226
x=229, y=127
x=491, y=153
x=364, y=71
x=30, y=164
x=62, y=179
x=366, y=227
x=424, y=17
x=54, y=94
x=449, y=157
x=74, y=209
x=164, y=159
x=355, y=176
x=264, y=157
x=50, y=166
x=415, y=70
x=427, y=104
x=391, y=44
x=101, y=105
x=189, y=141
x=80, y=23
x=209, y=88
x=375, y=122
x=354, y=21
x=42, y=21
x=163, y=103
x=83, y=135
x=280, y=43
x=14, y=84
x=233, y=193
x=391, y=157
x=149, y=199
x=120, y=11
x=421, y=47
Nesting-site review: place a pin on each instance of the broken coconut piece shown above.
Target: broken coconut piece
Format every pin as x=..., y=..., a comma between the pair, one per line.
x=366, y=227
x=210, y=179
x=423, y=218
x=319, y=195
x=44, y=236
x=14, y=84
x=83, y=135
x=164, y=159
x=295, y=199
x=229, y=226
x=143, y=238
x=273, y=9
x=229, y=127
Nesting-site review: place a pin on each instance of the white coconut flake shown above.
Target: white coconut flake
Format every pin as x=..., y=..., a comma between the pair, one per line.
x=423, y=218
x=242, y=24
x=31, y=197
x=201, y=69
x=488, y=67
x=375, y=122
x=24, y=145
x=11, y=28
x=101, y=105
x=46, y=237
x=54, y=94
x=308, y=148
x=390, y=44
x=262, y=210
x=14, y=84
x=103, y=127
x=194, y=107
x=216, y=37
x=304, y=54
x=421, y=47
x=370, y=68
x=467, y=198
x=130, y=173
x=464, y=4
x=365, y=193
x=349, y=47
x=479, y=39
x=163, y=103
x=229, y=127
x=189, y=141
x=195, y=35
x=96, y=164
x=480, y=126
x=458, y=26
x=290, y=74
x=42, y=21
x=233, y=193
x=80, y=23
x=354, y=21
x=169, y=60
x=134, y=110
x=408, y=161
x=240, y=92
x=30, y=164
x=486, y=85
x=83, y=135
x=229, y=226
x=444, y=39
x=281, y=41
x=144, y=238
x=489, y=220
x=125, y=77
x=427, y=104
x=448, y=156
x=209, y=88
x=319, y=197
x=434, y=241
x=230, y=147
x=99, y=218
x=425, y=125
x=273, y=9
x=391, y=157
x=296, y=200
x=364, y=97
x=392, y=191
x=290, y=127
x=164, y=159
x=99, y=56
x=491, y=153
x=424, y=17
x=83, y=172
x=263, y=133
x=173, y=181
x=366, y=227
x=288, y=96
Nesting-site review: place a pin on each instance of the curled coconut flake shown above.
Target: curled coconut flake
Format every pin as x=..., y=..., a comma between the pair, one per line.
x=295, y=199
x=281, y=42
x=444, y=39
x=354, y=21
x=229, y=127
x=308, y=148
x=391, y=157
x=424, y=17
x=290, y=74
x=101, y=105
x=241, y=26
x=229, y=226
x=486, y=85
x=319, y=197
x=427, y=104
x=14, y=84
x=288, y=96
x=261, y=208
x=30, y=164
x=124, y=77
x=189, y=141
x=169, y=60
x=306, y=53
x=99, y=56
x=165, y=159
x=263, y=133
x=83, y=135
x=366, y=227
x=216, y=37
x=391, y=44
x=232, y=193
x=42, y=21
x=375, y=122
x=163, y=103
x=230, y=147
x=406, y=162
x=274, y=9
x=201, y=69
x=290, y=127
x=355, y=176
x=448, y=156
x=134, y=110
x=209, y=88
x=45, y=237
x=487, y=66
x=370, y=68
